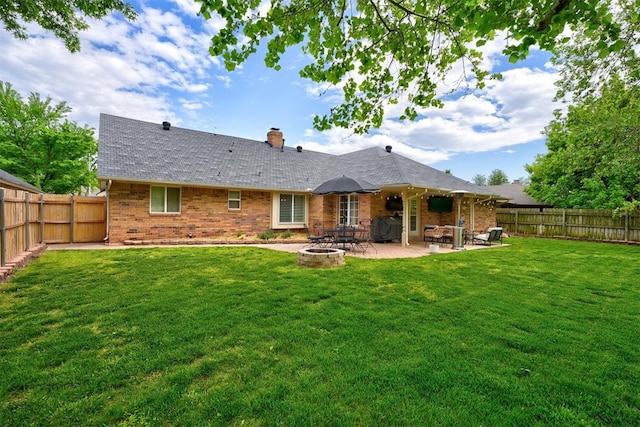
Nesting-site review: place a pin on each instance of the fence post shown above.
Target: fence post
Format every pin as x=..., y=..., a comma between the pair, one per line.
x=516, y=222
x=41, y=211
x=564, y=222
x=626, y=226
x=3, y=231
x=71, y=221
x=27, y=232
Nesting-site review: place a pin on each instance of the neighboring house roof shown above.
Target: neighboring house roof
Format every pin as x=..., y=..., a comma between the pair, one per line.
x=9, y=181
x=133, y=150
x=516, y=196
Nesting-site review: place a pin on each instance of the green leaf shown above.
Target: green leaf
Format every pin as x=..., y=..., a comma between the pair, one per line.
x=409, y=38
x=617, y=46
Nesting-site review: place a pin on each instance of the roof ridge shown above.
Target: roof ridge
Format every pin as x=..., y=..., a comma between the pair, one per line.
x=403, y=173
x=219, y=135
x=173, y=127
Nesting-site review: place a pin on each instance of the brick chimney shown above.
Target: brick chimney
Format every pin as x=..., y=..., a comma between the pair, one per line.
x=274, y=137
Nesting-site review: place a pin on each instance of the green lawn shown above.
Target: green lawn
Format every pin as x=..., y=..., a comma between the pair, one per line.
x=544, y=332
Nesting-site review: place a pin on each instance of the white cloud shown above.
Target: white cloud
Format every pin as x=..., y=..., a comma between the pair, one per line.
x=133, y=69
x=190, y=105
x=340, y=141
x=507, y=112
x=226, y=81
x=188, y=7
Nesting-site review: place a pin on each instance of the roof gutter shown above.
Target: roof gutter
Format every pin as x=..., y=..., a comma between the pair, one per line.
x=197, y=185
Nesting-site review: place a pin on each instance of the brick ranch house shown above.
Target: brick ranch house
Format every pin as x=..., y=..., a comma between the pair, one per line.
x=165, y=182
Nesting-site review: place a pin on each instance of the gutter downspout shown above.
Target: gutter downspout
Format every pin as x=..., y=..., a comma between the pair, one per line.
x=108, y=186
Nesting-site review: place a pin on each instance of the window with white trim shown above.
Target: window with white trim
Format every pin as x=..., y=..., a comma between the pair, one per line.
x=348, y=214
x=292, y=209
x=165, y=199
x=234, y=199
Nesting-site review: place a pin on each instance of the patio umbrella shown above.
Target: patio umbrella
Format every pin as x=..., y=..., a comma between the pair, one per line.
x=345, y=185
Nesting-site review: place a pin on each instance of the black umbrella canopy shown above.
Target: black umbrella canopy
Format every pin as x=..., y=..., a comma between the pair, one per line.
x=345, y=185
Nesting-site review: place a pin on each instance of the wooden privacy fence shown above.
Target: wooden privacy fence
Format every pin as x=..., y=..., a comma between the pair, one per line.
x=28, y=219
x=587, y=224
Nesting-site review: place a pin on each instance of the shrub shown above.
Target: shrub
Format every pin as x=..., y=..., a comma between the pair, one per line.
x=286, y=234
x=269, y=234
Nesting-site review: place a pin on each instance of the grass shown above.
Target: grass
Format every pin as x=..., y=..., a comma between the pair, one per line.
x=544, y=332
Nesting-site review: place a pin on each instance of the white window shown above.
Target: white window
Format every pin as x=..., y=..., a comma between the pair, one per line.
x=292, y=209
x=165, y=199
x=348, y=210
x=234, y=200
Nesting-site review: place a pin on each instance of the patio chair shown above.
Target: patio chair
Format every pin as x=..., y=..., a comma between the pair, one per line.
x=363, y=241
x=344, y=236
x=447, y=234
x=493, y=234
x=314, y=239
x=319, y=230
x=432, y=233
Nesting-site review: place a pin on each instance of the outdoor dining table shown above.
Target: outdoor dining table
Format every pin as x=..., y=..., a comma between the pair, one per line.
x=343, y=235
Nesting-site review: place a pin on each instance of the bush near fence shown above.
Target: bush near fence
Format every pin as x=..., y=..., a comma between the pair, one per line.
x=582, y=224
x=28, y=220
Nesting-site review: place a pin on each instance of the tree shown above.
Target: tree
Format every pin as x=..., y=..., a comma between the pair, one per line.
x=479, y=179
x=593, y=158
x=379, y=51
x=584, y=67
x=65, y=18
x=497, y=177
x=38, y=145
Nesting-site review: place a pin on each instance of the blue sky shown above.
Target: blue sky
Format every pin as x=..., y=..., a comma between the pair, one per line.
x=158, y=68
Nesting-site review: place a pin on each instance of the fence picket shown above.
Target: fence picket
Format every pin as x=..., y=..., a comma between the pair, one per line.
x=53, y=219
x=3, y=231
x=587, y=224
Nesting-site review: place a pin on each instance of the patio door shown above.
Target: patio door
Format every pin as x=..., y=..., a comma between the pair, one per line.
x=348, y=210
x=414, y=218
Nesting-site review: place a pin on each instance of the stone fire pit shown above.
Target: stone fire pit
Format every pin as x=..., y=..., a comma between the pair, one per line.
x=320, y=257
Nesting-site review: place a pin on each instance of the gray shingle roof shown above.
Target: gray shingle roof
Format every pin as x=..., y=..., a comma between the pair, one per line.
x=515, y=193
x=394, y=170
x=133, y=150
x=8, y=180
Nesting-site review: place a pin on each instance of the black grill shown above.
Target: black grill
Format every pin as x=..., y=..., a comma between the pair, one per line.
x=386, y=228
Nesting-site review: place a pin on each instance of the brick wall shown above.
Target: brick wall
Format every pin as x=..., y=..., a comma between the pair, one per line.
x=316, y=209
x=377, y=205
x=485, y=216
x=204, y=213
